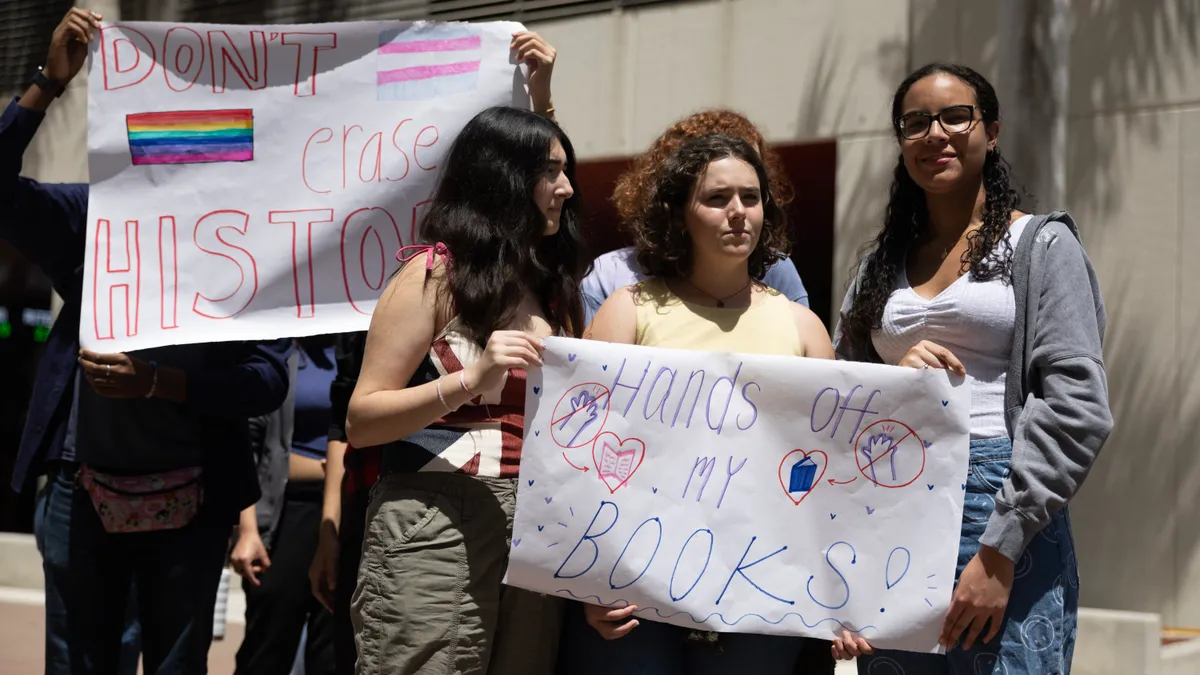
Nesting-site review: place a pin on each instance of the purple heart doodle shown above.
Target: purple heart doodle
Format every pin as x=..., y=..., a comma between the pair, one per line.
x=530, y=482
x=832, y=516
x=927, y=444
x=604, y=367
x=516, y=542
x=537, y=390
x=549, y=499
x=945, y=403
x=541, y=527
x=571, y=357
x=870, y=510
x=929, y=486
x=655, y=490
x=537, y=433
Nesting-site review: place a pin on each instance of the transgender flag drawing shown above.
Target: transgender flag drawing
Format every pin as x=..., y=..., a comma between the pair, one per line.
x=427, y=61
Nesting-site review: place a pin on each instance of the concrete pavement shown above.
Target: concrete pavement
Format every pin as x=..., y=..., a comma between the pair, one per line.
x=22, y=636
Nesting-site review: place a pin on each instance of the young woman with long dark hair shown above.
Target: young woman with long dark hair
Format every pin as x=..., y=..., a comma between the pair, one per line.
x=350, y=472
x=960, y=278
x=443, y=388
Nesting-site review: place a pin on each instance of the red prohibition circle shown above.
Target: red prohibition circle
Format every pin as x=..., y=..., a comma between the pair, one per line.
x=561, y=417
x=863, y=469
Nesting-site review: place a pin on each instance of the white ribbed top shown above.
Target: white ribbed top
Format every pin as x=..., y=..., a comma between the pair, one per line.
x=973, y=319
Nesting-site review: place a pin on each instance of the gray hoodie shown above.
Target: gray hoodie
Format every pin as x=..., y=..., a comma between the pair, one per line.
x=1056, y=398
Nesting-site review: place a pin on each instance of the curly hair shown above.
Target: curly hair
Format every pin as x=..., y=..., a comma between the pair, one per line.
x=664, y=248
x=632, y=195
x=907, y=219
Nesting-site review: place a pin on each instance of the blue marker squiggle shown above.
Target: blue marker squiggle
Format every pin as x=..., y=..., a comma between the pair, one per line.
x=828, y=552
x=720, y=617
x=612, y=584
x=708, y=557
x=887, y=572
x=588, y=537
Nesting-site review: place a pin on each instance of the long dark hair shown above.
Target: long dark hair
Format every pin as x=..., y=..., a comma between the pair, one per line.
x=664, y=248
x=907, y=218
x=484, y=211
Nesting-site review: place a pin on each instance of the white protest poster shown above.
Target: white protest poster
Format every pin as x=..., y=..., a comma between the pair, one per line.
x=746, y=493
x=252, y=182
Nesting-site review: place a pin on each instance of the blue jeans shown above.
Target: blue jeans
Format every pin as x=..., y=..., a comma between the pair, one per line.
x=173, y=576
x=655, y=648
x=1038, y=636
x=57, y=652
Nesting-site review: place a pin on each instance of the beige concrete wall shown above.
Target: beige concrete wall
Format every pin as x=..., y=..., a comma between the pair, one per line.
x=1133, y=172
x=801, y=70
x=1126, y=198
x=58, y=151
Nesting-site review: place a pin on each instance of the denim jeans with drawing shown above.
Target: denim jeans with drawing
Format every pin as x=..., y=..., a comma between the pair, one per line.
x=1038, y=636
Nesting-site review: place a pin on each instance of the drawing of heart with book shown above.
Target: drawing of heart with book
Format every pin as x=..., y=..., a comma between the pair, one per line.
x=617, y=460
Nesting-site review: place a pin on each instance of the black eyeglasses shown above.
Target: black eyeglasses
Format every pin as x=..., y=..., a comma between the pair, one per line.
x=954, y=120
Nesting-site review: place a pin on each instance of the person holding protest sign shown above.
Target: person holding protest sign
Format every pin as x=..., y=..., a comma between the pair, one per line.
x=351, y=471
x=710, y=229
x=147, y=453
x=443, y=386
x=619, y=268
x=959, y=278
x=277, y=537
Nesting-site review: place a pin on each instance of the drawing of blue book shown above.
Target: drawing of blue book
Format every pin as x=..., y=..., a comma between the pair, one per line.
x=803, y=474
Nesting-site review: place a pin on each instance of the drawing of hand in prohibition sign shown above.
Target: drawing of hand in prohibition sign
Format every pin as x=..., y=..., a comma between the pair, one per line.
x=890, y=454
x=579, y=416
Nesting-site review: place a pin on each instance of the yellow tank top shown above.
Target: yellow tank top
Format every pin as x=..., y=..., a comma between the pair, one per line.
x=666, y=320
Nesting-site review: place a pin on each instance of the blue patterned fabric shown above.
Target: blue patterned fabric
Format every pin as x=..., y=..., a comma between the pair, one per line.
x=1038, y=637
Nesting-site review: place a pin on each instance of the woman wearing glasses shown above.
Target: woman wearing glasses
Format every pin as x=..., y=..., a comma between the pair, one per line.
x=959, y=278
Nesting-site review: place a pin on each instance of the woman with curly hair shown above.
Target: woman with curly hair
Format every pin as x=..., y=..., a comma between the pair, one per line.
x=710, y=229
x=619, y=268
x=960, y=278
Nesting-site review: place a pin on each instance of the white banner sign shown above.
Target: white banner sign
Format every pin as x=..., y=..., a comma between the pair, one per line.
x=252, y=182
x=746, y=493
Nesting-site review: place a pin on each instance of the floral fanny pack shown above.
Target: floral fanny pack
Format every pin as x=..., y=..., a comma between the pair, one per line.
x=159, y=501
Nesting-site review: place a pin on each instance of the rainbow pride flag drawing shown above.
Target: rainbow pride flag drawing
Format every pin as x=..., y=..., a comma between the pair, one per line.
x=427, y=61
x=191, y=136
